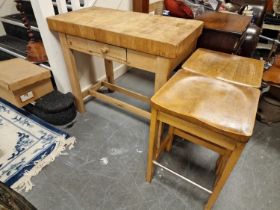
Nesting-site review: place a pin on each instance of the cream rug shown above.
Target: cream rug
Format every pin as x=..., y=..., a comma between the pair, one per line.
x=27, y=144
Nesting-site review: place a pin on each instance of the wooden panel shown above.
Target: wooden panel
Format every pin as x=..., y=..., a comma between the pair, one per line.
x=142, y=60
x=218, y=105
x=157, y=35
x=38, y=89
x=198, y=130
x=231, y=68
x=97, y=48
x=226, y=22
x=18, y=73
x=141, y=6
x=157, y=64
x=199, y=141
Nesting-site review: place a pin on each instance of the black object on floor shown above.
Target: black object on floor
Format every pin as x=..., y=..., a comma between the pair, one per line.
x=55, y=108
x=9, y=199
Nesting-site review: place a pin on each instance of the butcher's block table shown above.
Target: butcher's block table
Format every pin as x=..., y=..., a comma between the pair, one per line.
x=152, y=43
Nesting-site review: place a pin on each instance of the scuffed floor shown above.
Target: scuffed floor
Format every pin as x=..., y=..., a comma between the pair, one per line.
x=106, y=169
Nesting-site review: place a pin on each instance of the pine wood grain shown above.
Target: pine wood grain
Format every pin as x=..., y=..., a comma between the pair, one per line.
x=18, y=73
x=231, y=68
x=225, y=22
x=218, y=105
x=164, y=36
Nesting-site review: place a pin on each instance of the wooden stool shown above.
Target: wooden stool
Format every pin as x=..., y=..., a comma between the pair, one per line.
x=227, y=67
x=209, y=112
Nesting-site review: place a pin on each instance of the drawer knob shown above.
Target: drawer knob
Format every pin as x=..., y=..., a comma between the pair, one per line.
x=104, y=50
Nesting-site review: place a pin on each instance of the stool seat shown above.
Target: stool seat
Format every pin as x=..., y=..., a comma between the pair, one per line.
x=227, y=108
x=231, y=68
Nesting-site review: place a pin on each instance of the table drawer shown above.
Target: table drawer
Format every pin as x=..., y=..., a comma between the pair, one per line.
x=97, y=48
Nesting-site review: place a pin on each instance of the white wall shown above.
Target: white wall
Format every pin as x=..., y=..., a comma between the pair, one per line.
x=7, y=7
x=115, y=4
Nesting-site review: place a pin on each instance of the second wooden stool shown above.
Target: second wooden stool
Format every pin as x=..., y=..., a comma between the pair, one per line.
x=209, y=112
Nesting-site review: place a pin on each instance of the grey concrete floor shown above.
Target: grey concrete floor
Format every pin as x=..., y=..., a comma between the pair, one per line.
x=106, y=169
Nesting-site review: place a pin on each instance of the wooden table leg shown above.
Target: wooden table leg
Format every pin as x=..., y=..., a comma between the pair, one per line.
x=233, y=158
x=72, y=73
x=109, y=71
x=162, y=72
x=160, y=80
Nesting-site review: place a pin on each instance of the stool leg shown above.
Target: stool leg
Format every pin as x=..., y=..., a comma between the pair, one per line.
x=160, y=127
x=154, y=126
x=218, y=164
x=221, y=163
x=171, y=138
x=233, y=158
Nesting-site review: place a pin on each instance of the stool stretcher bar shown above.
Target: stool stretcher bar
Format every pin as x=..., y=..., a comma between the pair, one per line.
x=182, y=177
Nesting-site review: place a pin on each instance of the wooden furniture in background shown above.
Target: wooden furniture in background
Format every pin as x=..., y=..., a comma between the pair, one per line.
x=153, y=43
x=11, y=200
x=194, y=107
x=23, y=82
x=272, y=76
x=141, y=6
x=35, y=49
x=223, y=31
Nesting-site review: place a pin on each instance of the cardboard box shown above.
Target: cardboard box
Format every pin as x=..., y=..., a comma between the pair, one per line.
x=22, y=82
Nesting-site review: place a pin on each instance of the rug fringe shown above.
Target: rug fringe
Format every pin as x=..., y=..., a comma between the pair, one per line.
x=24, y=183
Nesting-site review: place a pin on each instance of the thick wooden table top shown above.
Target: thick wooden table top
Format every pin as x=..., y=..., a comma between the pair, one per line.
x=157, y=35
x=224, y=107
x=231, y=68
x=17, y=73
x=225, y=22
